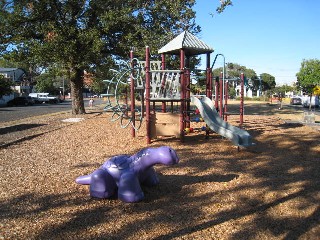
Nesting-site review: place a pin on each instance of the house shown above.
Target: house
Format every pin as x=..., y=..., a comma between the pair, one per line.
x=248, y=90
x=17, y=75
x=22, y=85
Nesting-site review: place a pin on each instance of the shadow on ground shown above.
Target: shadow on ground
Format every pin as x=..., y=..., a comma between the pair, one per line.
x=18, y=127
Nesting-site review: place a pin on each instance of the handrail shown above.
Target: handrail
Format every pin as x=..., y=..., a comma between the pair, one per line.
x=166, y=71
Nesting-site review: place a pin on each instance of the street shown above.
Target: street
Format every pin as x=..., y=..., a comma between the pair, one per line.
x=15, y=113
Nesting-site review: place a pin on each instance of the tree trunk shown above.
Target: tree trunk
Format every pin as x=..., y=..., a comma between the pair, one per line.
x=310, y=102
x=76, y=83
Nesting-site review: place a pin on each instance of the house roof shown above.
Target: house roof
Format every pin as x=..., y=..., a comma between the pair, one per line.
x=16, y=74
x=5, y=70
x=188, y=42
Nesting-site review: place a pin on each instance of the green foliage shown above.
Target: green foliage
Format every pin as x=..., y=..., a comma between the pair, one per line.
x=98, y=86
x=268, y=82
x=83, y=35
x=82, y=32
x=233, y=71
x=45, y=84
x=223, y=5
x=309, y=75
x=232, y=92
x=5, y=86
x=281, y=90
x=7, y=64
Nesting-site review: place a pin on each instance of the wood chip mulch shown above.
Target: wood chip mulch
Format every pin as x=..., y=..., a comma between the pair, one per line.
x=269, y=191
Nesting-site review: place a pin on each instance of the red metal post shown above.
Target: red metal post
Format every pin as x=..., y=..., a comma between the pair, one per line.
x=182, y=95
x=226, y=101
x=133, y=132
x=163, y=67
x=163, y=107
x=148, y=123
x=216, y=93
x=241, y=99
x=187, y=80
x=221, y=94
x=163, y=61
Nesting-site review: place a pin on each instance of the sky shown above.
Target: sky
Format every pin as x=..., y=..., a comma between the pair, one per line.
x=268, y=36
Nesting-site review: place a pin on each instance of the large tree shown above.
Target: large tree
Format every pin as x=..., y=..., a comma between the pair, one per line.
x=81, y=35
x=308, y=78
x=309, y=75
x=45, y=84
x=233, y=70
x=268, y=82
x=5, y=86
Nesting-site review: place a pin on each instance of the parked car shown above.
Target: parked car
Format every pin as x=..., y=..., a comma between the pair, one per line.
x=44, y=98
x=24, y=101
x=295, y=101
x=314, y=101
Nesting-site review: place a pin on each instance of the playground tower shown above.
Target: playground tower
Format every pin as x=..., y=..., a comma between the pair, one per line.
x=184, y=45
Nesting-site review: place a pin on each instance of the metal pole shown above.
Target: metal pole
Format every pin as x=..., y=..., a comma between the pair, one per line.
x=182, y=95
x=216, y=92
x=221, y=85
x=163, y=61
x=241, y=99
x=148, y=123
x=209, y=78
x=221, y=91
x=133, y=132
x=187, y=84
x=163, y=67
x=223, y=80
x=226, y=102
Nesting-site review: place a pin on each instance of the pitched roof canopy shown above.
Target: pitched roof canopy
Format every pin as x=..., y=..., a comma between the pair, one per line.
x=188, y=42
x=16, y=74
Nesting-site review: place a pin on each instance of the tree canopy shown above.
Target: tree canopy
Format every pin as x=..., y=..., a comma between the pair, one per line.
x=268, y=82
x=281, y=90
x=233, y=70
x=83, y=35
x=5, y=86
x=45, y=83
x=309, y=75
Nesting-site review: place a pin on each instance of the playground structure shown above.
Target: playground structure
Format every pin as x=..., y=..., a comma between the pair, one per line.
x=152, y=83
x=117, y=93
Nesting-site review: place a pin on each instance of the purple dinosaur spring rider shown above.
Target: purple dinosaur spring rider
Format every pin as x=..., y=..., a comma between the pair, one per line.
x=125, y=173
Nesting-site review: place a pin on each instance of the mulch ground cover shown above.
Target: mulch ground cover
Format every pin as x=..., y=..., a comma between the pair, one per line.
x=268, y=191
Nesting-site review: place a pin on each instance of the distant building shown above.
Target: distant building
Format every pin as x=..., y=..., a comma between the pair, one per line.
x=17, y=75
x=22, y=85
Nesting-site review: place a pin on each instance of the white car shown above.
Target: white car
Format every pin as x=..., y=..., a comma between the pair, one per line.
x=314, y=101
x=43, y=97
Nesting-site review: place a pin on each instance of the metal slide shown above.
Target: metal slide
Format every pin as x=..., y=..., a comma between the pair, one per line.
x=238, y=136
